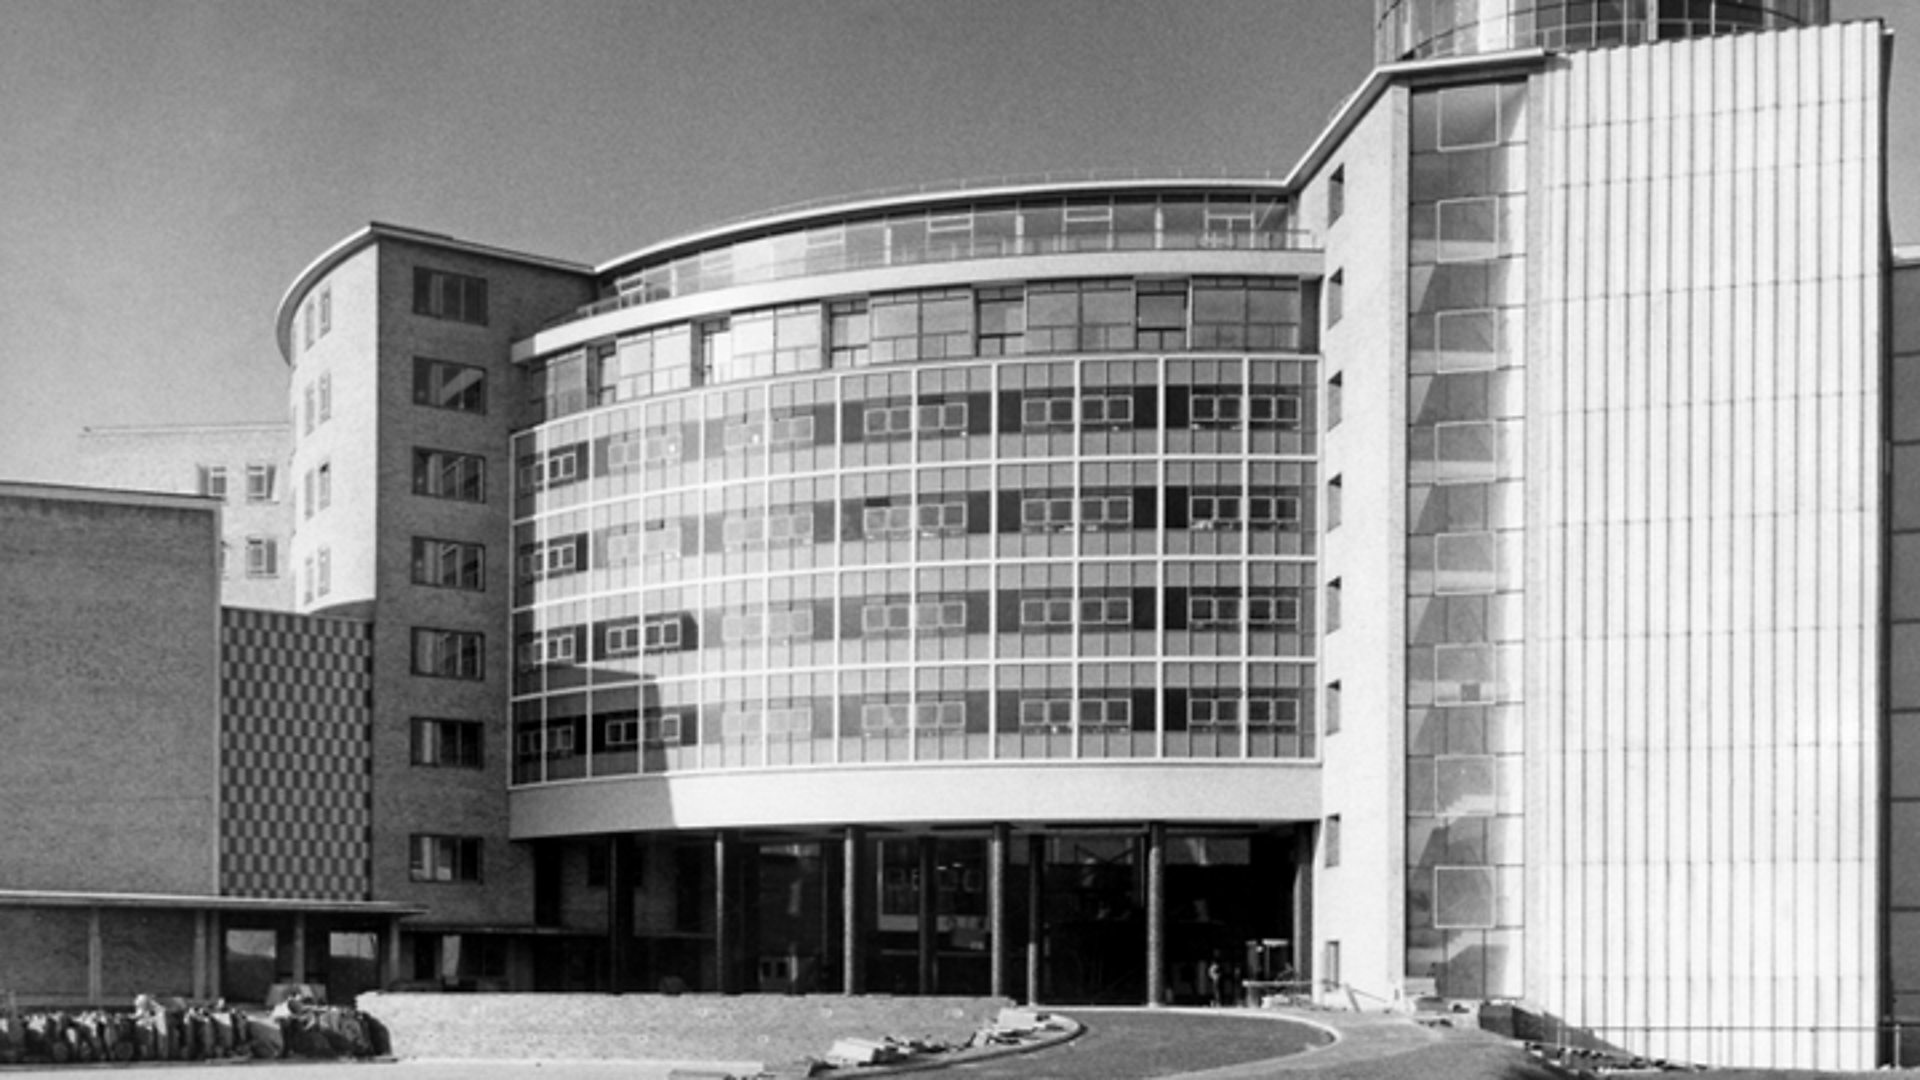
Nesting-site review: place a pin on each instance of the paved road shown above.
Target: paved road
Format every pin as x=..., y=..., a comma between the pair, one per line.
x=1119, y=1044
x=1139, y=1044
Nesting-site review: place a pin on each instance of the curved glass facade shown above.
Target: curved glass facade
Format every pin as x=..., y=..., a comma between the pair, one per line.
x=1037, y=224
x=1419, y=29
x=1079, y=524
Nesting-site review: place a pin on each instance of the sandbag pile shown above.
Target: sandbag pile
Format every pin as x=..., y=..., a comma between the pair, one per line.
x=172, y=1030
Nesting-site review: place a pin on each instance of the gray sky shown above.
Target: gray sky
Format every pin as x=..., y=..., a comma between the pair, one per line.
x=168, y=166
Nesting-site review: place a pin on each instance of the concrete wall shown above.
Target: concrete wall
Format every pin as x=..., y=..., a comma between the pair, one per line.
x=1704, y=550
x=1358, y=904
x=648, y=1027
x=109, y=691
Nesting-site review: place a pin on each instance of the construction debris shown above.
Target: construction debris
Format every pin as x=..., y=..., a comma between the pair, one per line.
x=169, y=1029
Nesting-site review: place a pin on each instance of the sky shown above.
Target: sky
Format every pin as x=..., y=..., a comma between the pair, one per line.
x=168, y=166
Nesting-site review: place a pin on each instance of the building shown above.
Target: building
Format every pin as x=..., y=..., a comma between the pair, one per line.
x=244, y=466
x=1463, y=567
x=186, y=792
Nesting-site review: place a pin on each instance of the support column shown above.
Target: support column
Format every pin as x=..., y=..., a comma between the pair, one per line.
x=1156, y=914
x=929, y=913
x=1036, y=916
x=217, y=955
x=726, y=912
x=997, y=910
x=200, y=989
x=390, y=953
x=1302, y=902
x=96, y=983
x=299, y=947
x=830, y=876
x=620, y=872
x=853, y=960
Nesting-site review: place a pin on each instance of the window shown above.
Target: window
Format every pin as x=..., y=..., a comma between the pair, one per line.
x=1106, y=513
x=1336, y=391
x=1336, y=296
x=1214, y=714
x=940, y=715
x=444, y=858
x=554, y=468
x=1046, y=413
x=1274, y=410
x=1046, y=513
x=306, y=595
x=213, y=481
x=448, y=654
x=326, y=309
x=1214, y=510
x=879, y=717
x=1217, y=411
x=323, y=583
x=442, y=384
x=849, y=334
x=1280, y=715
x=886, y=618
x=885, y=421
x=262, y=557
x=1336, y=195
x=449, y=564
x=886, y=522
x=623, y=639
x=443, y=474
x=552, y=647
x=664, y=633
x=943, y=518
x=1335, y=489
x=1106, y=611
x=441, y=295
x=1002, y=320
x=1106, y=410
x=260, y=487
x=1330, y=840
x=1068, y=316
x=326, y=396
x=793, y=624
x=306, y=396
x=447, y=744
x=943, y=418
x=1330, y=707
x=1106, y=714
x=1273, y=610
x=619, y=733
x=1160, y=314
x=1245, y=313
x=1046, y=613
x=1267, y=510
x=323, y=484
x=1213, y=611
x=1046, y=714
x=1332, y=616
x=930, y=325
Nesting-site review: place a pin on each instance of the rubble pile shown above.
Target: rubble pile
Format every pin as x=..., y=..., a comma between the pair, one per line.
x=1589, y=1063
x=169, y=1029
x=1012, y=1028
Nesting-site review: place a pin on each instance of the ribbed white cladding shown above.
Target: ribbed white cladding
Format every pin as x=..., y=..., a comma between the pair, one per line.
x=1703, y=561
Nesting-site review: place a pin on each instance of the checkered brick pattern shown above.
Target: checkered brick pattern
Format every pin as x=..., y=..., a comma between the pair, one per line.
x=296, y=757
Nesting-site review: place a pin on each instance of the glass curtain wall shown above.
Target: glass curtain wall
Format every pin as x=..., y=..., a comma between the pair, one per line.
x=1466, y=344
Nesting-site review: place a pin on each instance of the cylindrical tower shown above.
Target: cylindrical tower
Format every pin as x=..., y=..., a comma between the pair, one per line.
x=1418, y=29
